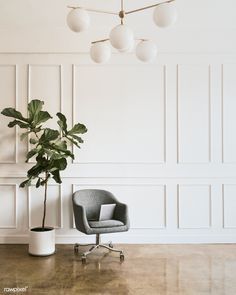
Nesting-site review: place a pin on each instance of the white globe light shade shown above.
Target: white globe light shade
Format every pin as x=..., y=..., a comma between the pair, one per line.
x=100, y=52
x=128, y=49
x=146, y=51
x=78, y=20
x=121, y=37
x=165, y=15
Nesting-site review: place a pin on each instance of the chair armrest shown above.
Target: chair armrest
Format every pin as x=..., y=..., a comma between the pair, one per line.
x=81, y=221
x=121, y=213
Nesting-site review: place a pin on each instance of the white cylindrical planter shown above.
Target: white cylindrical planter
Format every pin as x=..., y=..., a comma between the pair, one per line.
x=42, y=243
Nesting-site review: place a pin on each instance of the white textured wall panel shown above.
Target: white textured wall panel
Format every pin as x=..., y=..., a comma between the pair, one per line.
x=8, y=98
x=229, y=206
x=194, y=206
x=8, y=206
x=193, y=113
x=228, y=112
x=44, y=82
x=128, y=106
x=156, y=137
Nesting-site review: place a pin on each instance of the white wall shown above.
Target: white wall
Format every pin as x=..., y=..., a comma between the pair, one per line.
x=161, y=136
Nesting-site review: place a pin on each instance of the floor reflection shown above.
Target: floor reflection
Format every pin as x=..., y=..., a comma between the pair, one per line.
x=147, y=269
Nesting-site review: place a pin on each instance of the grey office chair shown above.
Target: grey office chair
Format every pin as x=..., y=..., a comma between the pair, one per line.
x=86, y=206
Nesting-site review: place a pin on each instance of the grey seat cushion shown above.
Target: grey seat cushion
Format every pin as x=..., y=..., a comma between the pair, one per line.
x=105, y=223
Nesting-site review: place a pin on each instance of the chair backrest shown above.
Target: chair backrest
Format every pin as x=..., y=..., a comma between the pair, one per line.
x=92, y=199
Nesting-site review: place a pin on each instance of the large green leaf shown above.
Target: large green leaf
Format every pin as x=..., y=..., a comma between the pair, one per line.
x=11, y=112
x=60, y=164
x=56, y=156
x=38, y=183
x=77, y=129
x=19, y=123
x=36, y=115
x=73, y=141
x=41, y=159
x=79, y=139
x=60, y=147
x=61, y=144
x=56, y=176
x=62, y=122
x=49, y=153
x=62, y=150
x=57, y=165
x=27, y=182
x=36, y=170
x=34, y=107
x=41, y=166
x=33, y=141
x=49, y=135
x=31, y=153
x=41, y=117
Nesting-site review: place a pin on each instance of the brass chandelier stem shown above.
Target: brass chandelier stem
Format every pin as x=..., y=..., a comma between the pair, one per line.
x=122, y=12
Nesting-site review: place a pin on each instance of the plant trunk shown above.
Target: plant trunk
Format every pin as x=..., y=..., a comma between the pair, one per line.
x=45, y=200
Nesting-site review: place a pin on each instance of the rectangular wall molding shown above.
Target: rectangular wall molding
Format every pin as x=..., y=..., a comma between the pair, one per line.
x=194, y=206
x=228, y=72
x=229, y=206
x=193, y=114
x=157, y=104
x=43, y=67
x=36, y=212
x=41, y=78
x=9, y=93
x=8, y=192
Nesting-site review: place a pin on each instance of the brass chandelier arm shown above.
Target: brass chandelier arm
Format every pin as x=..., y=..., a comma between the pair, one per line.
x=94, y=10
x=98, y=41
x=107, y=39
x=147, y=7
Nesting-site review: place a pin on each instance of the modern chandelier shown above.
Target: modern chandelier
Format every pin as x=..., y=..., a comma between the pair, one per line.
x=122, y=37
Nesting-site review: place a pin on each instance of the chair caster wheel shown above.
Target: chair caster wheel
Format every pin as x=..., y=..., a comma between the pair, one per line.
x=83, y=259
x=76, y=248
x=110, y=245
x=122, y=257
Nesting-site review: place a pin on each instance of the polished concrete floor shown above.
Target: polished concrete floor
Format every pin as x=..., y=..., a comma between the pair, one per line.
x=147, y=270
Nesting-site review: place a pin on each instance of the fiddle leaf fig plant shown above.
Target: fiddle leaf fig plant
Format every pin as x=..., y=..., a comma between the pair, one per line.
x=49, y=146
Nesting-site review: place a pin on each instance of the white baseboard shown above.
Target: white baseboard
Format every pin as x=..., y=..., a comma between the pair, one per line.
x=130, y=239
x=14, y=239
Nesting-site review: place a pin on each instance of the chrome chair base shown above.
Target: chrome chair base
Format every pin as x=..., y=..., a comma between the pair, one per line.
x=97, y=246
